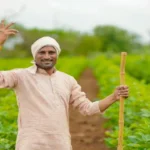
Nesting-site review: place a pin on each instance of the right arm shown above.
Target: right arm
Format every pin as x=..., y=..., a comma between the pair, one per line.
x=8, y=79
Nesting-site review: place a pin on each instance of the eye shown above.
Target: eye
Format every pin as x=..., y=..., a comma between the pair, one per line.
x=41, y=52
x=52, y=52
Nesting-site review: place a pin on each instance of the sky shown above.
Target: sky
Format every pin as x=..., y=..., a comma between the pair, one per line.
x=81, y=15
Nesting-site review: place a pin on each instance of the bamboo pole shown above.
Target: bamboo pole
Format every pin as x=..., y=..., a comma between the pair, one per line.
x=121, y=109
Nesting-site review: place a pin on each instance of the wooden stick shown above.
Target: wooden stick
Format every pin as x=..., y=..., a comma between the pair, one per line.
x=121, y=111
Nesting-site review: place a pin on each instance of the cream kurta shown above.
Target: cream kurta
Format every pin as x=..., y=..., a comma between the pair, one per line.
x=43, y=101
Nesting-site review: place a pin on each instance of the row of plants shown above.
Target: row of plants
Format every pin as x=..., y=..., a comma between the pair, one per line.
x=8, y=105
x=137, y=112
x=137, y=66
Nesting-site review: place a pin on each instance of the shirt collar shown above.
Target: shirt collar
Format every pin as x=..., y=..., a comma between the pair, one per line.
x=34, y=69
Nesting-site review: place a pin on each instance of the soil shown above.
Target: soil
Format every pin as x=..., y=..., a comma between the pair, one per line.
x=87, y=132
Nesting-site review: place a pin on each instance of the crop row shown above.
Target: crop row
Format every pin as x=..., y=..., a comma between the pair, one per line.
x=137, y=106
x=137, y=66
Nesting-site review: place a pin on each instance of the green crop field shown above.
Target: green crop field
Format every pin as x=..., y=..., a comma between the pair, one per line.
x=137, y=112
x=106, y=70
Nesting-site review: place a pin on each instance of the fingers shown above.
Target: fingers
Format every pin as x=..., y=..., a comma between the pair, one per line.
x=11, y=33
x=124, y=95
x=13, y=30
x=123, y=91
x=9, y=25
x=2, y=24
x=6, y=28
x=122, y=87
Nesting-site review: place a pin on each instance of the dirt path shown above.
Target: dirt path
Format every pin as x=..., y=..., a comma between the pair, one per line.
x=87, y=132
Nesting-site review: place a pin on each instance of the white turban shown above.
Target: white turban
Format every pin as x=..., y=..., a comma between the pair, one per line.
x=44, y=41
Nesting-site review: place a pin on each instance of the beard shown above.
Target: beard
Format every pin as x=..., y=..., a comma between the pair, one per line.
x=46, y=65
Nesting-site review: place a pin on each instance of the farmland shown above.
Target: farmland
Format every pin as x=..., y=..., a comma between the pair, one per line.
x=106, y=71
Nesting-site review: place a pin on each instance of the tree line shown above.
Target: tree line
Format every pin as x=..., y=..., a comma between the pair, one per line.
x=103, y=38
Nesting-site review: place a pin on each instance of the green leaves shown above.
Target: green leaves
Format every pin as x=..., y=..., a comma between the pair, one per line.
x=137, y=66
x=136, y=115
x=107, y=72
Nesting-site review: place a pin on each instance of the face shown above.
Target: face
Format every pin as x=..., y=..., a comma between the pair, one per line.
x=46, y=57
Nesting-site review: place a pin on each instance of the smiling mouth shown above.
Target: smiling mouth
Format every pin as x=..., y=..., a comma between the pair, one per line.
x=47, y=61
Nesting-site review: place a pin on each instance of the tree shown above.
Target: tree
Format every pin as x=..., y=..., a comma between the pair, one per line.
x=116, y=39
x=88, y=44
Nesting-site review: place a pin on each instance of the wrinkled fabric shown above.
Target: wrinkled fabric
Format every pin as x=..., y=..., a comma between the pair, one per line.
x=43, y=101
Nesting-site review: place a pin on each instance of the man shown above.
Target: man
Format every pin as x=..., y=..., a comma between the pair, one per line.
x=43, y=96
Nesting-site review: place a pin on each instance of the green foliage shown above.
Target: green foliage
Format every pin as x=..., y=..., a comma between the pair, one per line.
x=137, y=114
x=72, y=65
x=106, y=69
x=137, y=66
x=101, y=39
x=146, y=49
x=116, y=39
x=8, y=122
x=88, y=44
x=68, y=39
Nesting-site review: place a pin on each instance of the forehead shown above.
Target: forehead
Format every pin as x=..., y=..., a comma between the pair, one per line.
x=47, y=48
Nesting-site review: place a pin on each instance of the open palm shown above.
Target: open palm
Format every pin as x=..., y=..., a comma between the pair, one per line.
x=5, y=31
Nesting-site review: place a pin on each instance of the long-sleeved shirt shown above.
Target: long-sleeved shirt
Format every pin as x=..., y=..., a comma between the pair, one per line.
x=43, y=101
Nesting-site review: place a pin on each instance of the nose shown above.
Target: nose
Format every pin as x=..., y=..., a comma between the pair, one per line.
x=46, y=56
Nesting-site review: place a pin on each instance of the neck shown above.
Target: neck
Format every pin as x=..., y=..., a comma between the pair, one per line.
x=50, y=71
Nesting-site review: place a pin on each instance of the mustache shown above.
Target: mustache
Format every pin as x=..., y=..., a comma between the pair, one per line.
x=47, y=60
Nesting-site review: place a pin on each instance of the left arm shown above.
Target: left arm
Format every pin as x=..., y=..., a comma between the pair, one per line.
x=79, y=100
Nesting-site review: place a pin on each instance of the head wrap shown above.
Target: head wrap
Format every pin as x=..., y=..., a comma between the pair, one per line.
x=44, y=41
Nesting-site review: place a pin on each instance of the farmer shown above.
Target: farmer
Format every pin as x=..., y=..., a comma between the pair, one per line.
x=44, y=95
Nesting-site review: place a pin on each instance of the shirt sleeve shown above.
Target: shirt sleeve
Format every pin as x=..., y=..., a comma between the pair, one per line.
x=79, y=100
x=8, y=79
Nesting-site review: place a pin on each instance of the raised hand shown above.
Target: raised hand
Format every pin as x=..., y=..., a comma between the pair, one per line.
x=5, y=31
